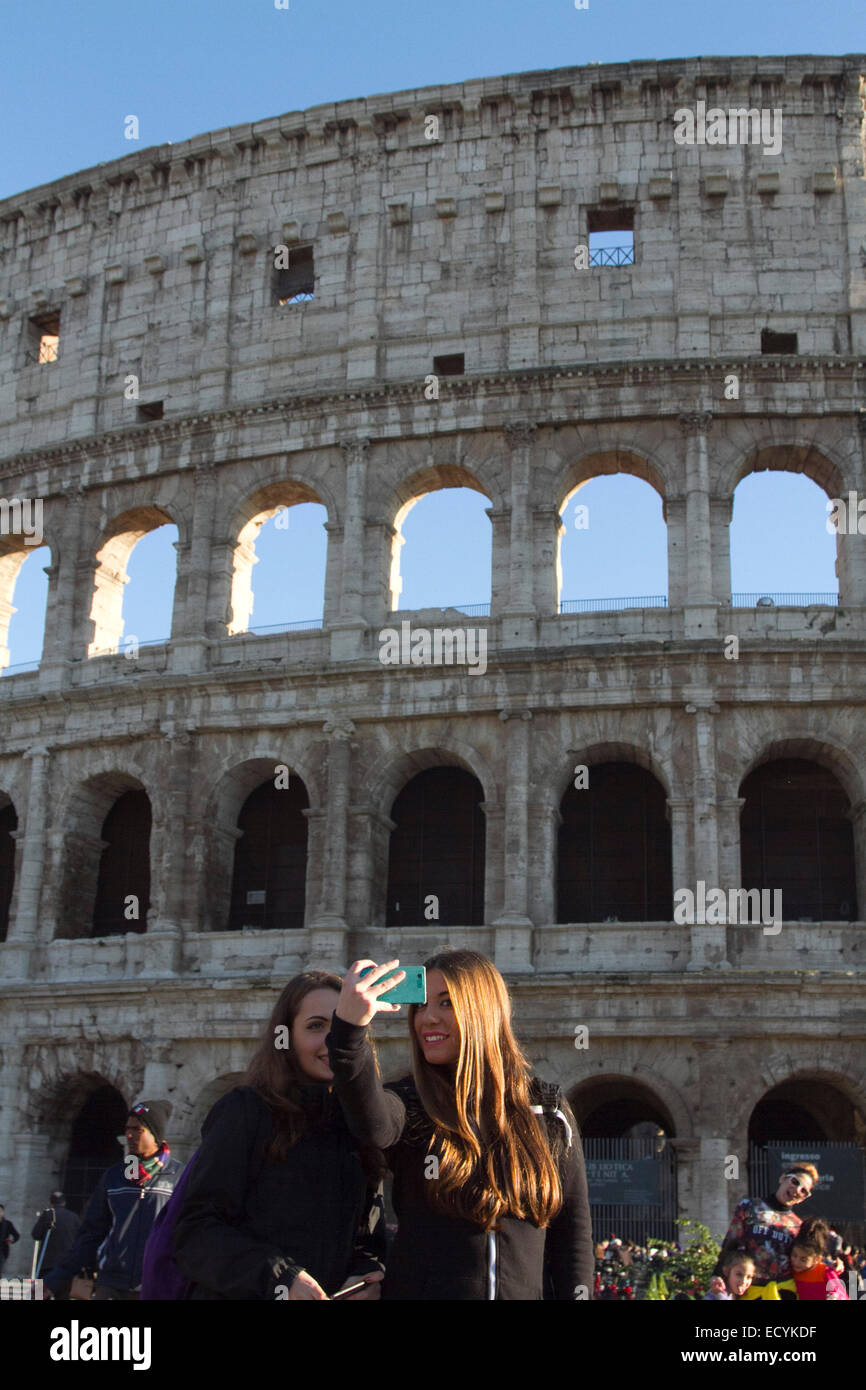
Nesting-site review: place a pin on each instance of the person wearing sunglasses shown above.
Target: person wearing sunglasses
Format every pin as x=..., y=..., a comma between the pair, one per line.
x=766, y=1227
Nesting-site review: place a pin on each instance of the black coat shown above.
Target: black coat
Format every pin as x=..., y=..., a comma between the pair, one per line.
x=63, y=1226
x=8, y=1237
x=437, y=1256
x=247, y=1226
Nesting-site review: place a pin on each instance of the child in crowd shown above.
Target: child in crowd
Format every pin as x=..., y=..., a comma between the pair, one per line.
x=812, y=1278
x=738, y=1271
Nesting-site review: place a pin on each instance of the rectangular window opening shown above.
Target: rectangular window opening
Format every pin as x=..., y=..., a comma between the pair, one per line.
x=450, y=364
x=296, y=283
x=151, y=410
x=44, y=341
x=611, y=236
x=776, y=343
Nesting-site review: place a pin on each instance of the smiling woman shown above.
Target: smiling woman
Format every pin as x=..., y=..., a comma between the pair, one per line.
x=278, y=1205
x=489, y=1181
x=766, y=1228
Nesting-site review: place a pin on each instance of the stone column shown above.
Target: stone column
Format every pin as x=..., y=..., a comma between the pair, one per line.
x=347, y=632
x=519, y=615
x=680, y=816
x=514, y=926
x=700, y=607
x=851, y=543
x=328, y=927
x=548, y=530
x=500, y=523
x=174, y=907
x=674, y=512
x=721, y=512
x=65, y=574
x=22, y=933
x=728, y=812
x=857, y=816
x=35, y=1173
x=709, y=940
x=189, y=628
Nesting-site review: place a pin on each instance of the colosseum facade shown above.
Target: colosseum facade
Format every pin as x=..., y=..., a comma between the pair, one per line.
x=431, y=326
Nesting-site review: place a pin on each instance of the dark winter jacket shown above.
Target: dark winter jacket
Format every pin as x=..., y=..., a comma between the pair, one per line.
x=63, y=1226
x=8, y=1237
x=248, y=1226
x=120, y=1213
x=437, y=1256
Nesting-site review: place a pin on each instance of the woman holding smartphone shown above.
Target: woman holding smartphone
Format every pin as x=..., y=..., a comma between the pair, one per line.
x=489, y=1181
x=281, y=1201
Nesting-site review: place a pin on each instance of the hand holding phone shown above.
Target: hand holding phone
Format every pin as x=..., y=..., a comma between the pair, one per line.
x=363, y=984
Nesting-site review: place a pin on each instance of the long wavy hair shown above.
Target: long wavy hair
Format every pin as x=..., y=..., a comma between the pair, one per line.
x=494, y=1156
x=275, y=1074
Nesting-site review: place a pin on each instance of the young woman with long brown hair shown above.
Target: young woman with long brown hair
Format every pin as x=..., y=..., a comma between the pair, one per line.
x=281, y=1200
x=489, y=1181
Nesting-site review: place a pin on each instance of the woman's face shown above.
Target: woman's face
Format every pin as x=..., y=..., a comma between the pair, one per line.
x=794, y=1188
x=311, y=1026
x=801, y=1261
x=435, y=1025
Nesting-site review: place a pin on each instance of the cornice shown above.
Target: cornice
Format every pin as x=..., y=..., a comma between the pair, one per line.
x=385, y=395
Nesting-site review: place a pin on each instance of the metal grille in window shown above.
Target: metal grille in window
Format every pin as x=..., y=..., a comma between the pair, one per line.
x=612, y=255
x=44, y=338
x=297, y=284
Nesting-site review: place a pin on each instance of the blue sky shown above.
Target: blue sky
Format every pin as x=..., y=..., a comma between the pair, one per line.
x=73, y=72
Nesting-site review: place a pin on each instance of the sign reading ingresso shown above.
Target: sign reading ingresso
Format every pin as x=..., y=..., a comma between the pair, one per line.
x=839, y=1195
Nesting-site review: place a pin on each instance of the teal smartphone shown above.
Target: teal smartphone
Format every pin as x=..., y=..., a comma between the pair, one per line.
x=412, y=990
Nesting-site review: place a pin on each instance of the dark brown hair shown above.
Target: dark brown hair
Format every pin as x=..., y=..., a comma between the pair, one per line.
x=812, y=1237
x=275, y=1074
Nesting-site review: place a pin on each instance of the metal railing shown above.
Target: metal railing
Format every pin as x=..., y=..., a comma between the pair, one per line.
x=612, y=255
x=308, y=625
x=784, y=600
x=612, y=605
x=20, y=668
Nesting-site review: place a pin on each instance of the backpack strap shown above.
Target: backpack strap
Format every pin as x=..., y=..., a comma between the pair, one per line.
x=548, y=1098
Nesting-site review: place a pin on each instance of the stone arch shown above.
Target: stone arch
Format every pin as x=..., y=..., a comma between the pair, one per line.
x=85, y=808
x=796, y=455
x=559, y=773
x=803, y=744
x=778, y=1068
x=640, y=1082
x=390, y=774
x=598, y=462
x=433, y=478
x=237, y=780
x=113, y=549
x=249, y=514
x=14, y=550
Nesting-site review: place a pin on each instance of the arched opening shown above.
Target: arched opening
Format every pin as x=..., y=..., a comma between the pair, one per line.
x=614, y=848
x=796, y=837
x=631, y=1165
x=437, y=851
x=93, y=1144
x=444, y=516
x=780, y=545
x=100, y=873
x=281, y=528
x=613, y=550
x=123, y=883
x=24, y=577
x=155, y=570
x=270, y=859
x=813, y=1119
x=8, y=826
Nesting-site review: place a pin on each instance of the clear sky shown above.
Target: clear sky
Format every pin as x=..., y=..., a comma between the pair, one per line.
x=72, y=73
